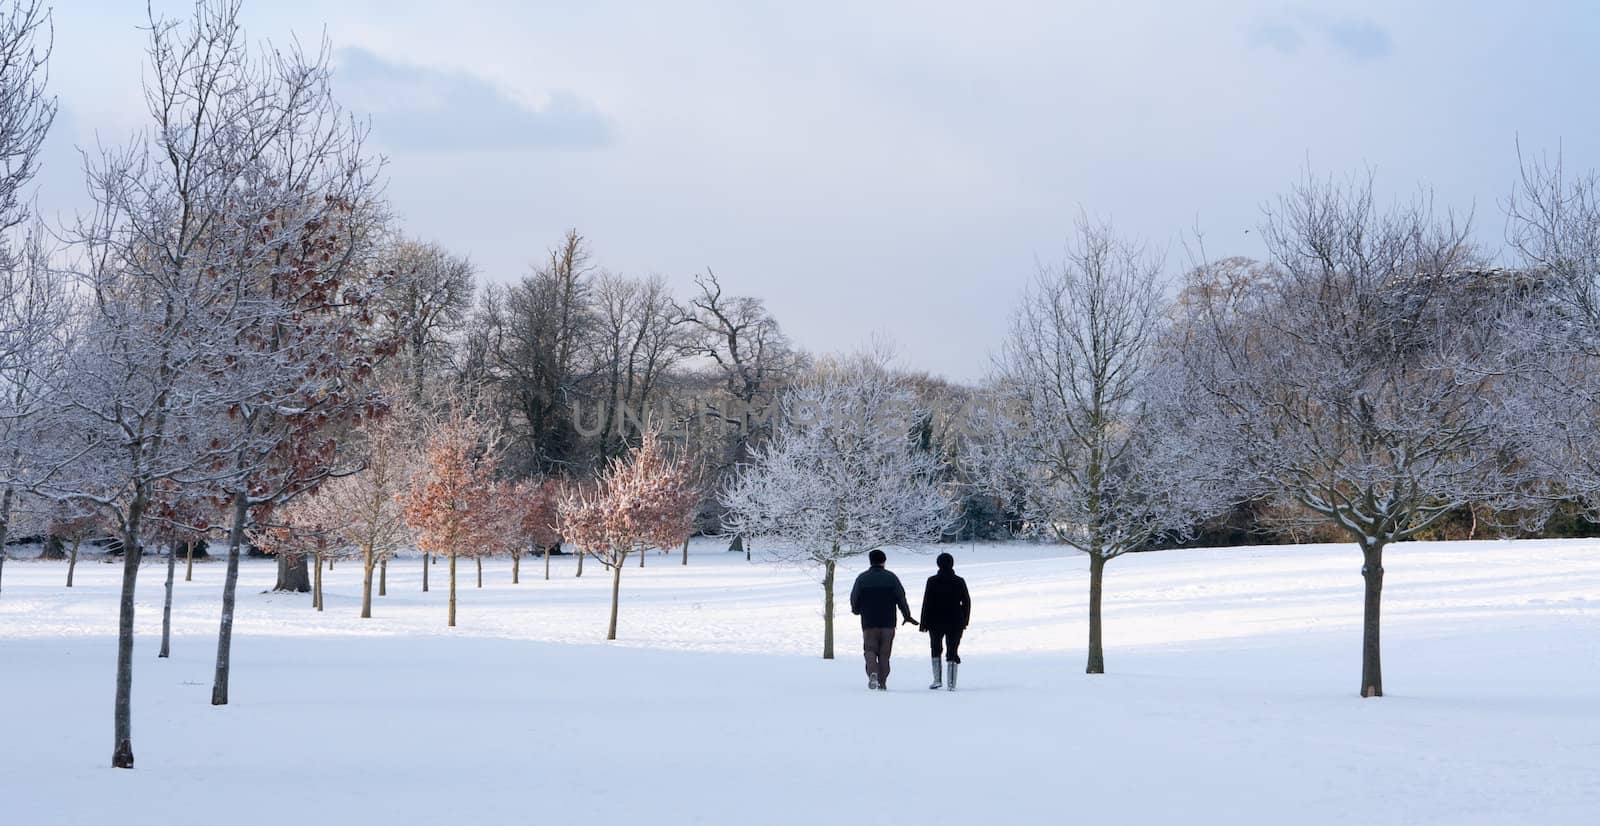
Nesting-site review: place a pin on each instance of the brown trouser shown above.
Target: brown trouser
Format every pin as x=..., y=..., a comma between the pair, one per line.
x=878, y=642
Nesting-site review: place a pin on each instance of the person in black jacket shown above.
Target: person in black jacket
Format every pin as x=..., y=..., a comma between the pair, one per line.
x=875, y=596
x=946, y=609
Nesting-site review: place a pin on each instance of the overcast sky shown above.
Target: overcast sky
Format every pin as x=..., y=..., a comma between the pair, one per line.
x=895, y=168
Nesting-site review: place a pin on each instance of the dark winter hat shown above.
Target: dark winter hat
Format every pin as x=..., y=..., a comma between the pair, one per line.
x=945, y=562
x=877, y=557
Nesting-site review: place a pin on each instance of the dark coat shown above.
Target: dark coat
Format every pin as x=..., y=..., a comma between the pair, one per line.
x=946, y=605
x=876, y=595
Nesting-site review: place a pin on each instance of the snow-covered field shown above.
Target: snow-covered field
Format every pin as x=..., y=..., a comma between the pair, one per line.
x=1231, y=698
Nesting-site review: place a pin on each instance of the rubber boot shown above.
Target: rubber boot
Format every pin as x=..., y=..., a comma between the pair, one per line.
x=937, y=673
x=872, y=681
x=950, y=681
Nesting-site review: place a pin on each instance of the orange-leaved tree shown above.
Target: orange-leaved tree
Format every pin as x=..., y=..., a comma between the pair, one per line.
x=643, y=499
x=450, y=506
x=529, y=510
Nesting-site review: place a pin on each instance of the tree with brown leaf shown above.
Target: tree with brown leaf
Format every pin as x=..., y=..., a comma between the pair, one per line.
x=451, y=506
x=528, y=509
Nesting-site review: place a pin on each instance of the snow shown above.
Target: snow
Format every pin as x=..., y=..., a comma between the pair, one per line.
x=1231, y=696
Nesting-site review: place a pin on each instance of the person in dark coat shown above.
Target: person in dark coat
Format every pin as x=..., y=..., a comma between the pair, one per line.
x=946, y=609
x=875, y=596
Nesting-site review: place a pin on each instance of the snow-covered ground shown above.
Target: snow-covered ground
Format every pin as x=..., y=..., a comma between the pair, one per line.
x=1231, y=698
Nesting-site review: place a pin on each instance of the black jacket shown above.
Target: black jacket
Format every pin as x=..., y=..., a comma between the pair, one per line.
x=877, y=593
x=946, y=605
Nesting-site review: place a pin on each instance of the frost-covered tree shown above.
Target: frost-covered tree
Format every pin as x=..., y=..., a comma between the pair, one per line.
x=26, y=108
x=34, y=322
x=1554, y=227
x=370, y=501
x=32, y=300
x=1083, y=420
x=643, y=499
x=302, y=354
x=212, y=232
x=1364, y=376
x=841, y=476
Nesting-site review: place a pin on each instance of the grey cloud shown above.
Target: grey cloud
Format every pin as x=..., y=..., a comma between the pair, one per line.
x=1282, y=37
x=1355, y=38
x=1361, y=39
x=419, y=107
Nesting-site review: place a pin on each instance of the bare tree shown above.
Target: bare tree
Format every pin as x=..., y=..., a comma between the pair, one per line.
x=542, y=325
x=637, y=340
x=1364, y=378
x=752, y=359
x=1078, y=423
x=426, y=301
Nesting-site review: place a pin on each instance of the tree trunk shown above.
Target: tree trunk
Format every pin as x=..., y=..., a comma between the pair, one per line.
x=368, y=562
x=166, y=608
x=581, y=555
x=72, y=561
x=616, y=591
x=292, y=574
x=122, y=749
x=479, y=560
x=452, y=590
x=54, y=549
x=827, y=609
x=516, y=567
x=1371, y=665
x=383, y=577
x=188, y=563
x=230, y=586
x=425, y=573
x=316, y=584
x=642, y=555
x=1097, y=656
x=547, y=563
x=686, y=551
x=6, y=495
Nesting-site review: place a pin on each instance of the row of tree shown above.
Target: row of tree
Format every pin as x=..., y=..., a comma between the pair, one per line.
x=1376, y=375
x=237, y=342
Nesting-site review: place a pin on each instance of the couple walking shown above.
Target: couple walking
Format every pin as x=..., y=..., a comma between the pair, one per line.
x=946, y=607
